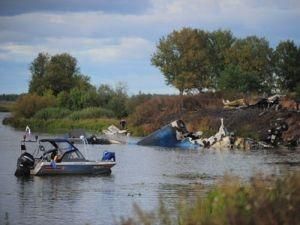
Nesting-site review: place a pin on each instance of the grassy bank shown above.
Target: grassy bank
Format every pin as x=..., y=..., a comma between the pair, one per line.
x=60, y=125
x=265, y=201
x=6, y=106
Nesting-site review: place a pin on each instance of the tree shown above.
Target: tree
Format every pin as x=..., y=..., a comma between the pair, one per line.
x=287, y=65
x=234, y=79
x=61, y=72
x=57, y=73
x=117, y=103
x=105, y=93
x=183, y=59
x=220, y=42
x=38, y=73
x=253, y=55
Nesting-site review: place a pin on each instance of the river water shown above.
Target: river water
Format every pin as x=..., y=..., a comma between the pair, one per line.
x=143, y=175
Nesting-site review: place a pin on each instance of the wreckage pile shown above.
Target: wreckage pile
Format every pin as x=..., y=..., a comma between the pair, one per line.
x=253, y=123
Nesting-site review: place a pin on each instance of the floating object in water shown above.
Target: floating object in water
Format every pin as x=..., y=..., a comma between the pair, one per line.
x=60, y=157
x=171, y=135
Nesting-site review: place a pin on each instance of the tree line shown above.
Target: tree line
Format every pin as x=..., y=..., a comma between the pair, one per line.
x=191, y=60
x=57, y=87
x=194, y=60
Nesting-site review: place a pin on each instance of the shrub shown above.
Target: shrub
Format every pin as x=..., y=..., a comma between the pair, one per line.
x=92, y=112
x=262, y=201
x=27, y=105
x=52, y=113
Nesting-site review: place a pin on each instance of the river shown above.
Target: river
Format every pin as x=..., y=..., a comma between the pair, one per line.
x=143, y=175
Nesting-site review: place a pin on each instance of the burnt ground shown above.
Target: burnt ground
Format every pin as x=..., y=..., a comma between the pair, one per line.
x=203, y=112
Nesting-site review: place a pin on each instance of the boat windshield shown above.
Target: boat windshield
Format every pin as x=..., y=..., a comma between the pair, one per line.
x=64, y=147
x=73, y=156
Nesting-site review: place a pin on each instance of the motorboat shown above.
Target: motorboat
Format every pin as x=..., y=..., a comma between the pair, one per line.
x=79, y=136
x=60, y=157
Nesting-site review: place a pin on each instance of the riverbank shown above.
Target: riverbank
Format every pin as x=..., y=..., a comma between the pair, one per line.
x=59, y=125
x=200, y=113
x=204, y=111
x=265, y=200
x=6, y=106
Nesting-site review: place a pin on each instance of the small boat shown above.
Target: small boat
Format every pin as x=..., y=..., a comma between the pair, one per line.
x=79, y=136
x=60, y=157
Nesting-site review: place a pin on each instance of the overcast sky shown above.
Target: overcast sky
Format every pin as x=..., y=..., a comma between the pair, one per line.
x=113, y=39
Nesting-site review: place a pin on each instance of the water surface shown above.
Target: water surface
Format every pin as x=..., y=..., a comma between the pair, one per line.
x=143, y=175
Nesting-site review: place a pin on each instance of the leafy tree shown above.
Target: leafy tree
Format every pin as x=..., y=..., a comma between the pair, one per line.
x=82, y=82
x=287, y=65
x=253, y=55
x=234, y=79
x=183, y=59
x=61, y=72
x=105, y=93
x=220, y=42
x=57, y=73
x=117, y=103
x=9, y=97
x=38, y=72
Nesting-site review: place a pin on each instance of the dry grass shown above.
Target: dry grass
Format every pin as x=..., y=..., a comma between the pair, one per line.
x=263, y=201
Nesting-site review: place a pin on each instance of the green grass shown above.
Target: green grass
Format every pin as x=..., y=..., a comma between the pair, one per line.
x=262, y=201
x=60, y=125
x=6, y=106
x=91, y=112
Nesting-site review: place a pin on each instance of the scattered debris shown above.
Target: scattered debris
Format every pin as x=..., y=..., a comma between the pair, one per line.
x=79, y=136
x=176, y=134
x=275, y=102
x=113, y=130
x=239, y=103
x=171, y=135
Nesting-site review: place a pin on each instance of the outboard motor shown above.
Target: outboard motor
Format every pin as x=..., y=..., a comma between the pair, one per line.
x=24, y=164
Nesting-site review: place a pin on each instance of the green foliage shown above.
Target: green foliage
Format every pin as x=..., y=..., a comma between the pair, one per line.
x=105, y=93
x=52, y=113
x=287, y=65
x=253, y=56
x=6, y=106
x=56, y=73
x=136, y=100
x=91, y=112
x=220, y=42
x=117, y=103
x=183, y=59
x=234, y=79
x=192, y=59
x=60, y=125
x=38, y=72
x=27, y=105
x=9, y=97
x=262, y=201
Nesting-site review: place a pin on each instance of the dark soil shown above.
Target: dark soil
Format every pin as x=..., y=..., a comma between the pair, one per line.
x=203, y=112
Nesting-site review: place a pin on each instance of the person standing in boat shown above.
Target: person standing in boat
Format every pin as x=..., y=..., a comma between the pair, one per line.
x=123, y=124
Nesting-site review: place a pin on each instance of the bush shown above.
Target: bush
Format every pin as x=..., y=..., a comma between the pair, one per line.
x=52, y=113
x=263, y=201
x=90, y=113
x=27, y=105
